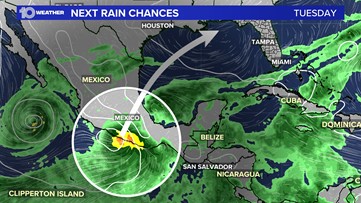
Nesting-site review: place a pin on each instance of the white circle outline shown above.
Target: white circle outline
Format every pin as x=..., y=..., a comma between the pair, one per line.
x=339, y=47
x=73, y=141
x=34, y=116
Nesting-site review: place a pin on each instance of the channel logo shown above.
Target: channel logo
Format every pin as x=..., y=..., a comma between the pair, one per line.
x=27, y=12
x=38, y=12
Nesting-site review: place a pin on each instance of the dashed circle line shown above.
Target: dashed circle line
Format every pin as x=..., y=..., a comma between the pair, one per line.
x=339, y=49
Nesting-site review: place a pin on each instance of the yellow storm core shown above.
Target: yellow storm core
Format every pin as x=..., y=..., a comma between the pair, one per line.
x=128, y=140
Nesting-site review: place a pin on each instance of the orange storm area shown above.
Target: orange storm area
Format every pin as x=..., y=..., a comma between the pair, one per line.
x=128, y=140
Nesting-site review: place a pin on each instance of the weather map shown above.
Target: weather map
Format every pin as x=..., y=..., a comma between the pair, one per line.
x=180, y=101
x=142, y=157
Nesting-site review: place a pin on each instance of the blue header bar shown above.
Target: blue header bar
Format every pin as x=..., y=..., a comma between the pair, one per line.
x=180, y=12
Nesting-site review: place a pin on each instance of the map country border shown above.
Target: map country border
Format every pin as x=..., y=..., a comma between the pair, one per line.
x=181, y=13
x=269, y=101
x=206, y=38
x=106, y=190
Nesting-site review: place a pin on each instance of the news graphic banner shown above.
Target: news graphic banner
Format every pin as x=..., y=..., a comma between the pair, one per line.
x=180, y=13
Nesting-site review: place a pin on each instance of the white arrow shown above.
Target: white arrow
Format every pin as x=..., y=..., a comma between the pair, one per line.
x=206, y=38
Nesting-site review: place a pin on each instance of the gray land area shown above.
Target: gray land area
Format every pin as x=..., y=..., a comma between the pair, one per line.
x=283, y=93
x=332, y=194
x=357, y=194
x=192, y=153
x=264, y=27
x=120, y=102
x=342, y=195
x=308, y=107
x=248, y=195
x=259, y=2
x=351, y=117
x=62, y=39
x=16, y=45
x=241, y=158
x=339, y=193
x=245, y=164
